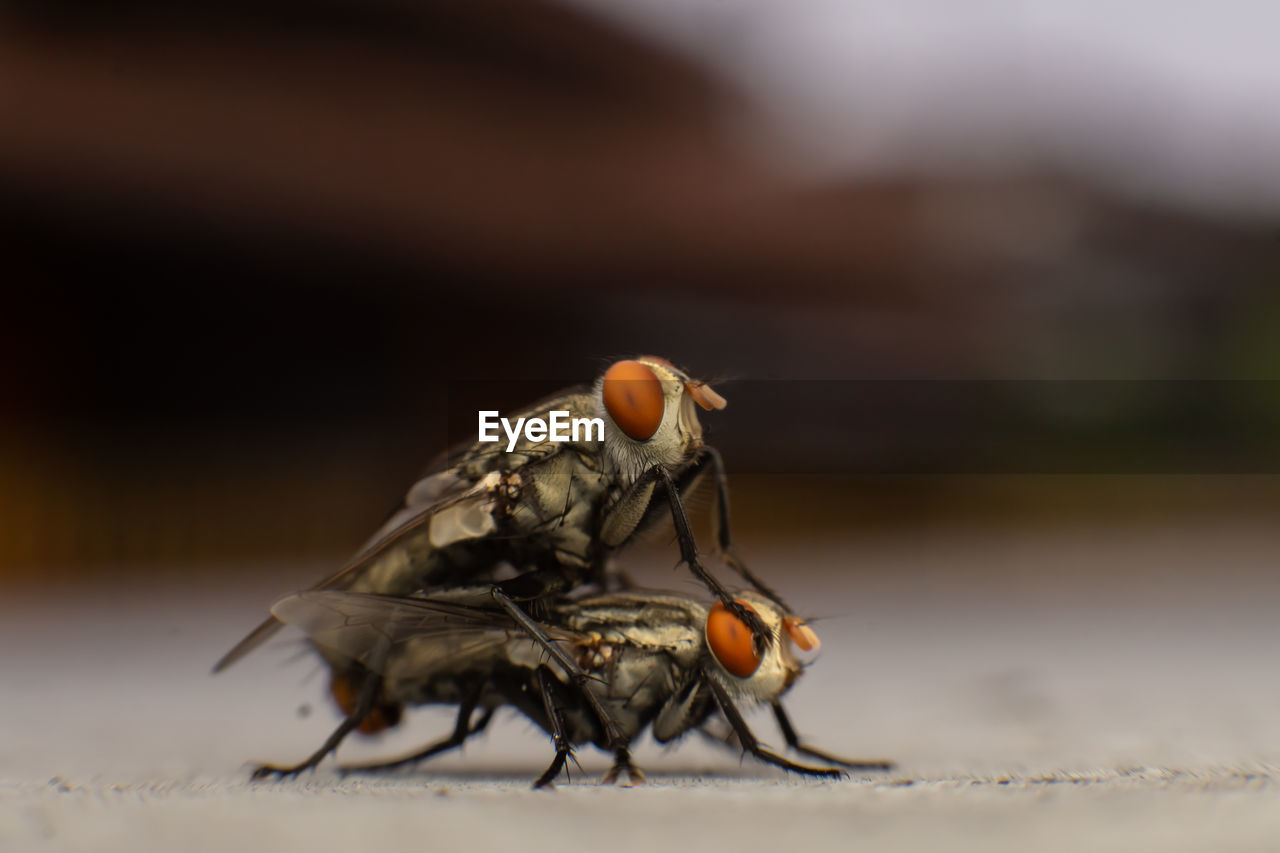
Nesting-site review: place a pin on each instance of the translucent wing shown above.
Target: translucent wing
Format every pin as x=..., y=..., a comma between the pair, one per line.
x=447, y=506
x=369, y=628
x=430, y=493
x=456, y=494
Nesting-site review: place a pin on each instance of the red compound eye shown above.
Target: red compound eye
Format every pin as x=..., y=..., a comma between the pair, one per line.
x=633, y=398
x=730, y=640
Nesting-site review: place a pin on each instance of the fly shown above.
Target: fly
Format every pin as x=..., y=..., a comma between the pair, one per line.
x=554, y=511
x=662, y=662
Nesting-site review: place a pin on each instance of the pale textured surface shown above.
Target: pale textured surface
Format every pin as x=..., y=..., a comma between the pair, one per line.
x=1121, y=695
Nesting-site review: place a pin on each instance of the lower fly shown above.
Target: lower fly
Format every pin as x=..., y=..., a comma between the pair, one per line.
x=660, y=662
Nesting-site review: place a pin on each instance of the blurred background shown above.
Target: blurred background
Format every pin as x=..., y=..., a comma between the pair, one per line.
x=249, y=248
x=991, y=292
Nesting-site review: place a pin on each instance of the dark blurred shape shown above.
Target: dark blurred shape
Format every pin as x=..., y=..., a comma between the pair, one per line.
x=248, y=247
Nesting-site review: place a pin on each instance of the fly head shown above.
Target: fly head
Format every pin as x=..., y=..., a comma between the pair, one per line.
x=742, y=667
x=650, y=411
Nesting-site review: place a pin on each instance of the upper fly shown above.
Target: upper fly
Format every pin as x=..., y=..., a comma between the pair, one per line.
x=554, y=511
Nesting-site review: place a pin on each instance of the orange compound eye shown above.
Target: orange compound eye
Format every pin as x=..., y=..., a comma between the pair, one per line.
x=730, y=640
x=801, y=634
x=633, y=398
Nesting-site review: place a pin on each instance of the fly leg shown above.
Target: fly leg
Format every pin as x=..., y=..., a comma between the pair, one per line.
x=689, y=555
x=453, y=741
x=564, y=750
x=462, y=729
x=753, y=746
x=793, y=741
x=622, y=764
x=723, y=538
x=625, y=516
x=614, y=738
x=364, y=704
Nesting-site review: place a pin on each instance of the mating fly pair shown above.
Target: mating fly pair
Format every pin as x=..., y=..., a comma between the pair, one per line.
x=554, y=512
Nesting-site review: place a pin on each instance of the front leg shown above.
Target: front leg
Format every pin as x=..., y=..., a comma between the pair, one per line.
x=723, y=538
x=689, y=554
x=624, y=517
x=748, y=739
x=793, y=741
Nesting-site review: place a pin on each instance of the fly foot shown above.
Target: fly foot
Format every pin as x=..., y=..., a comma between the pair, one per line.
x=547, y=781
x=622, y=764
x=864, y=764
x=861, y=765
x=272, y=772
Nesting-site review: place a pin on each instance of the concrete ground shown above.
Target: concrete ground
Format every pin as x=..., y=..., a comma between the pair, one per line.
x=1100, y=688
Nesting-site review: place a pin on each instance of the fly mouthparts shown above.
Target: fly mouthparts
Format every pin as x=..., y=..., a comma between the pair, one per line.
x=705, y=396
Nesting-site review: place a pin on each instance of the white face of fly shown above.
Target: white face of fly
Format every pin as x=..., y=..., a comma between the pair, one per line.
x=650, y=412
x=748, y=676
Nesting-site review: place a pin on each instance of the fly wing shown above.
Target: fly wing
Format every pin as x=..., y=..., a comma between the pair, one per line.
x=456, y=501
x=431, y=492
x=458, y=507
x=259, y=635
x=368, y=628
x=446, y=505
